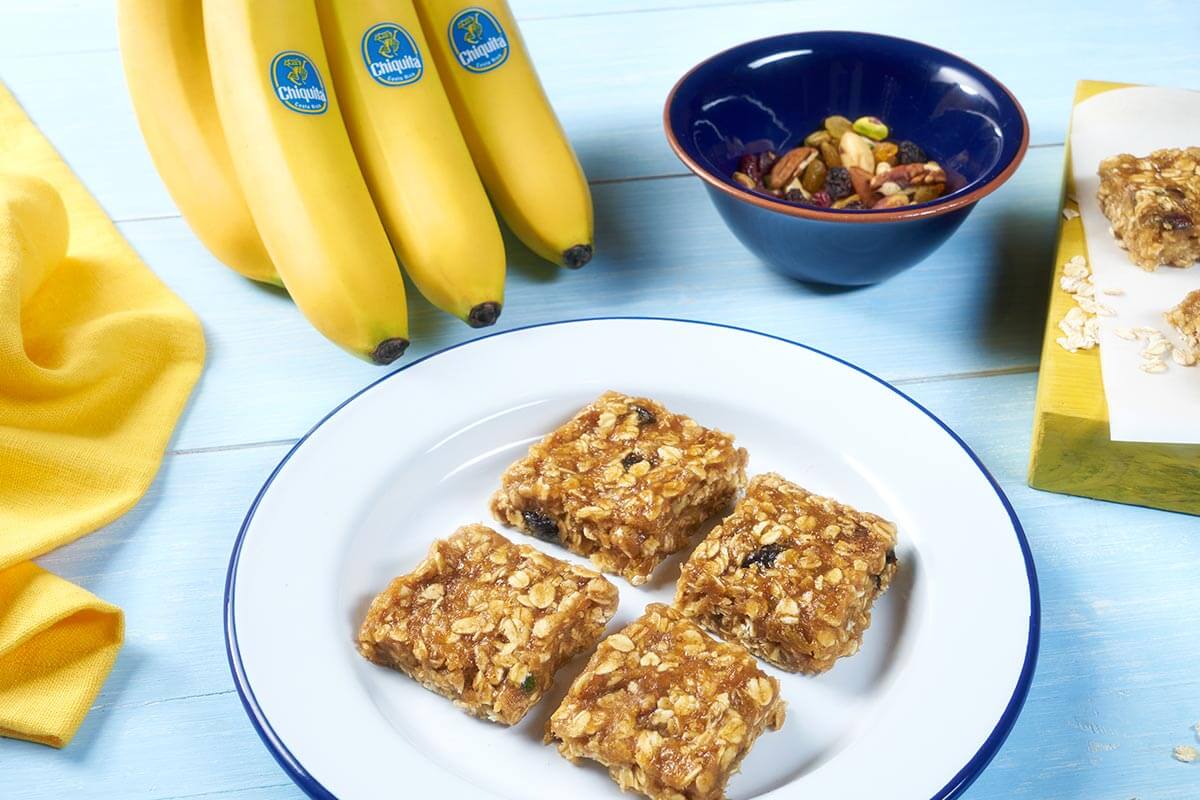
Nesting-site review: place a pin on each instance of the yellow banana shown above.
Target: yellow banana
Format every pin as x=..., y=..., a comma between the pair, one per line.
x=413, y=156
x=162, y=45
x=296, y=167
x=518, y=145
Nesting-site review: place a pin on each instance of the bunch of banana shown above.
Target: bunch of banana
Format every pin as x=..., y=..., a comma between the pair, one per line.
x=314, y=142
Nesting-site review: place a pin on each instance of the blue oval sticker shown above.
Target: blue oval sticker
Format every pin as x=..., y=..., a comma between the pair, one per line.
x=298, y=84
x=477, y=39
x=391, y=55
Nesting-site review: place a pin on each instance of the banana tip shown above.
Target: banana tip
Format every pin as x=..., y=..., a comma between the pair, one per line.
x=388, y=351
x=483, y=315
x=575, y=257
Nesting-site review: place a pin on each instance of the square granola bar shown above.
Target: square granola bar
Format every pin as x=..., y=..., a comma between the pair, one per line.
x=1185, y=318
x=486, y=622
x=668, y=709
x=624, y=482
x=790, y=575
x=1153, y=204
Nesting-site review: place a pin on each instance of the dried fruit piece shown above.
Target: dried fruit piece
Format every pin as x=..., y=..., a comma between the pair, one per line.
x=815, y=138
x=813, y=179
x=541, y=525
x=744, y=180
x=829, y=154
x=822, y=200
x=924, y=194
x=838, y=126
x=871, y=127
x=764, y=556
x=795, y=196
x=750, y=166
x=837, y=183
x=855, y=152
x=909, y=153
x=788, y=167
x=644, y=415
x=886, y=151
x=848, y=203
x=631, y=458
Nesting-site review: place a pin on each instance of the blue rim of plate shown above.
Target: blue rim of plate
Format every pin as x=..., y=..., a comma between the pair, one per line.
x=956, y=786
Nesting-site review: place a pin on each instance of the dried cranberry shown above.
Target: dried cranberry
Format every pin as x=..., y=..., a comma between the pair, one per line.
x=749, y=165
x=822, y=200
x=541, y=525
x=764, y=556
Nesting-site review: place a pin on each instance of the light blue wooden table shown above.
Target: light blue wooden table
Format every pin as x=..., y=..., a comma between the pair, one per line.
x=1118, y=683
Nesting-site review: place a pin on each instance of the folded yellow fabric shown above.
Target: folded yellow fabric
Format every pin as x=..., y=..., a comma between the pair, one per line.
x=97, y=359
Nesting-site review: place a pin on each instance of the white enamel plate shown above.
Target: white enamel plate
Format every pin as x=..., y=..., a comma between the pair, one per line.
x=917, y=714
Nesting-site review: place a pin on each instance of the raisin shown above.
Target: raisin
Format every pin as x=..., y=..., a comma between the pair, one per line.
x=795, y=196
x=632, y=458
x=766, y=161
x=645, y=416
x=910, y=153
x=540, y=525
x=529, y=684
x=1177, y=221
x=837, y=183
x=764, y=556
x=890, y=558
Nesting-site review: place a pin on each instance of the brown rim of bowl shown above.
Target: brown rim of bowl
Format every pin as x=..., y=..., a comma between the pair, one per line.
x=932, y=209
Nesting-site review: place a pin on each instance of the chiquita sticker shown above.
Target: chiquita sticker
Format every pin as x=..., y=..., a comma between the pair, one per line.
x=298, y=84
x=391, y=55
x=477, y=39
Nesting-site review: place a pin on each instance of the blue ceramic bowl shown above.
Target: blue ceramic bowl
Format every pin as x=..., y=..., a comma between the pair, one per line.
x=771, y=93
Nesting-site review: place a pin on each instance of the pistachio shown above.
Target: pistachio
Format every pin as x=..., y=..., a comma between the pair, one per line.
x=815, y=138
x=837, y=126
x=928, y=192
x=886, y=151
x=892, y=201
x=788, y=167
x=855, y=152
x=744, y=180
x=813, y=179
x=829, y=154
x=871, y=127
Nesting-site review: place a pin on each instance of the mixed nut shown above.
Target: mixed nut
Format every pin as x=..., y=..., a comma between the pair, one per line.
x=846, y=165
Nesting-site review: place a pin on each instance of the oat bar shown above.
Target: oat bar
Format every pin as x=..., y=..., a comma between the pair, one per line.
x=668, y=709
x=790, y=575
x=1153, y=205
x=624, y=482
x=1185, y=319
x=486, y=622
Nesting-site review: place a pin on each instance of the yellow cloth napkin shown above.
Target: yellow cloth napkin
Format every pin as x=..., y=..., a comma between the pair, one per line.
x=97, y=359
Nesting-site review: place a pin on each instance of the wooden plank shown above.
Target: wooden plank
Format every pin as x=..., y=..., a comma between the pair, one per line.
x=1104, y=713
x=976, y=305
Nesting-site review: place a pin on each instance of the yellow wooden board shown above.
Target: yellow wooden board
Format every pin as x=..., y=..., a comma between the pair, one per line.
x=1072, y=452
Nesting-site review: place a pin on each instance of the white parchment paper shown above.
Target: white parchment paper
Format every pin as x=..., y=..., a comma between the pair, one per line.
x=1142, y=407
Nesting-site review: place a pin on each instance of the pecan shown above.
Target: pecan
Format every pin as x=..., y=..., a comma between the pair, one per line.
x=902, y=175
x=788, y=167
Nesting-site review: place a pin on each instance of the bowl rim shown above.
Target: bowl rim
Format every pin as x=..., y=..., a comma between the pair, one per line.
x=933, y=208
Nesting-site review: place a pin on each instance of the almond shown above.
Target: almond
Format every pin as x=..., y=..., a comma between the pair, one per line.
x=855, y=152
x=861, y=180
